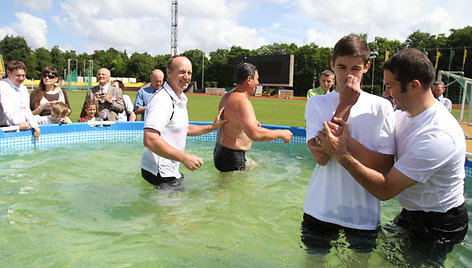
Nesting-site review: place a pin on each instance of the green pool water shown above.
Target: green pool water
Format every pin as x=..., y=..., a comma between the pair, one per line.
x=87, y=205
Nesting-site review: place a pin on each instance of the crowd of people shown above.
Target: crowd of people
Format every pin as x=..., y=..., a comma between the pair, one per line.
x=366, y=151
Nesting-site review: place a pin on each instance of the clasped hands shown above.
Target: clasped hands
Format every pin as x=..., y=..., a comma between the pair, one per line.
x=332, y=139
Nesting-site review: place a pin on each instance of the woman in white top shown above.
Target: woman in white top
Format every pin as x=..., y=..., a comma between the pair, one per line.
x=47, y=93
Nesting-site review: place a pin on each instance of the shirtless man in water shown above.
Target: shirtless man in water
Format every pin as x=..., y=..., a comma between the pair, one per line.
x=236, y=136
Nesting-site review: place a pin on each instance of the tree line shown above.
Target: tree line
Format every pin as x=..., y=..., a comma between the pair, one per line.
x=450, y=53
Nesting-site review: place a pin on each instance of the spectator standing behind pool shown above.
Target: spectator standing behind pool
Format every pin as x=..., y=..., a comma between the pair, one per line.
x=235, y=138
x=47, y=93
x=334, y=201
x=438, y=91
x=109, y=98
x=89, y=112
x=145, y=94
x=127, y=114
x=166, y=128
x=326, y=82
x=14, y=99
x=428, y=175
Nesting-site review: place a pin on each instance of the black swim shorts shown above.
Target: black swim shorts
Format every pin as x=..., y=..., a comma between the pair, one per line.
x=228, y=159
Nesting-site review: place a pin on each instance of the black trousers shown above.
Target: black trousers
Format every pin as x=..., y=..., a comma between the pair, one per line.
x=319, y=236
x=427, y=237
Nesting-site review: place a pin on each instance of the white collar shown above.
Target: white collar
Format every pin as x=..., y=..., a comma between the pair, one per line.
x=105, y=87
x=171, y=92
x=15, y=87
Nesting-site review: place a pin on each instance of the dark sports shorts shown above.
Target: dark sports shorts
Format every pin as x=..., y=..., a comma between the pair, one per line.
x=319, y=236
x=162, y=182
x=226, y=159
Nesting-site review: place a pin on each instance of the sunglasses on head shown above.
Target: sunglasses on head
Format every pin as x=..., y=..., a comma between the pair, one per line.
x=50, y=76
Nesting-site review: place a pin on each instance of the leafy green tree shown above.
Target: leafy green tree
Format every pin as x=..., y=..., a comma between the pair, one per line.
x=58, y=59
x=15, y=48
x=378, y=48
x=460, y=37
x=226, y=80
x=140, y=66
x=161, y=62
x=197, y=57
x=32, y=65
x=310, y=61
x=420, y=40
x=218, y=65
x=426, y=42
x=459, y=40
x=43, y=59
x=119, y=65
x=276, y=49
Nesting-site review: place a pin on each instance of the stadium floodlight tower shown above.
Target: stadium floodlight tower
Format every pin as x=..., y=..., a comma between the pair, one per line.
x=173, y=33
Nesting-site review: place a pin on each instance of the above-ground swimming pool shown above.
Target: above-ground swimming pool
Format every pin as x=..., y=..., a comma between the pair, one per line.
x=77, y=198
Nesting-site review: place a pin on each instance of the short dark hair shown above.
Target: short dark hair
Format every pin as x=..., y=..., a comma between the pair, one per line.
x=120, y=84
x=15, y=64
x=327, y=73
x=409, y=64
x=242, y=71
x=438, y=83
x=351, y=45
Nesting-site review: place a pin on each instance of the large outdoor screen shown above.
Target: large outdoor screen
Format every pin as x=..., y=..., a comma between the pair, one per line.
x=274, y=70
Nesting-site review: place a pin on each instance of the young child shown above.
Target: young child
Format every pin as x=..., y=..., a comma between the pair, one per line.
x=59, y=111
x=89, y=112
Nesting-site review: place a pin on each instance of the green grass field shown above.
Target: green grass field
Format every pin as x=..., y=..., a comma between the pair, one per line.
x=271, y=111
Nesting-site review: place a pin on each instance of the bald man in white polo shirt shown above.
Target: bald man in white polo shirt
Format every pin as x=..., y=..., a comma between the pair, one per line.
x=166, y=128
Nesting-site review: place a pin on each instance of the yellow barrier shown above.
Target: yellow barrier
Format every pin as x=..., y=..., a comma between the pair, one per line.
x=35, y=83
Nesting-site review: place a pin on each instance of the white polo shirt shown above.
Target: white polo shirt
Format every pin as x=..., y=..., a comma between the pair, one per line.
x=167, y=114
x=15, y=105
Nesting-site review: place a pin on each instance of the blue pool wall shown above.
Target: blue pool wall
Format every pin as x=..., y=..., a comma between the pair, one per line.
x=53, y=135
x=56, y=135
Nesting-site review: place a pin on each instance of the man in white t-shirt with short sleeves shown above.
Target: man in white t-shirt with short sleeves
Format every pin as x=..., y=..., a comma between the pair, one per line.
x=334, y=200
x=428, y=175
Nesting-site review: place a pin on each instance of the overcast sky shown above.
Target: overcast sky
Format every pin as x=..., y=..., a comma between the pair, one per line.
x=144, y=25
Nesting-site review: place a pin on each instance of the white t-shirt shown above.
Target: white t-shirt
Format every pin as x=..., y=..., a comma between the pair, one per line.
x=15, y=105
x=333, y=195
x=44, y=120
x=158, y=113
x=447, y=102
x=431, y=150
x=123, y=116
